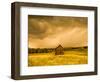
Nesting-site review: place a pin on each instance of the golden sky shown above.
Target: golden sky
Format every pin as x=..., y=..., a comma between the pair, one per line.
x=50, y=31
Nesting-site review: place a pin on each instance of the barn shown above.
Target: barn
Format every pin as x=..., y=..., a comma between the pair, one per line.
x=59, y=50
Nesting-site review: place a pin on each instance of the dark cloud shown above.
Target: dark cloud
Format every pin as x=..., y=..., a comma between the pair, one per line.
x=43, y=27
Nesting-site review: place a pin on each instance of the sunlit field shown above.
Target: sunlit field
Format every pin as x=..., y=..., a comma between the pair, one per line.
x=70, y=57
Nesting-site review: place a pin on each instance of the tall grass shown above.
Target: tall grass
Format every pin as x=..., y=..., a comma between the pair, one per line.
x=49, y=59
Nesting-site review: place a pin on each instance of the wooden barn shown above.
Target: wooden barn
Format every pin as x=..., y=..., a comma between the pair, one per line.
x=59, y=50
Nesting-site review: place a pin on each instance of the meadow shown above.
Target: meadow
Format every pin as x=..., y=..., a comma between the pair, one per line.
x=70, y=57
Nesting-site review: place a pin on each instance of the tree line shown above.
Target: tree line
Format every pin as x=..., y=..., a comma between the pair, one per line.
x=38, y=50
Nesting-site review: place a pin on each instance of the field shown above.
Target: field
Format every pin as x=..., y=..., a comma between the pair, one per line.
x=70, y=57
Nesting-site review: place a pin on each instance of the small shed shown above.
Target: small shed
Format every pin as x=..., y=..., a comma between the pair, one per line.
x=59, y=50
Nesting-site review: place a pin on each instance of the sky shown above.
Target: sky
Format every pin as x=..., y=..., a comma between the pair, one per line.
x=51, y=31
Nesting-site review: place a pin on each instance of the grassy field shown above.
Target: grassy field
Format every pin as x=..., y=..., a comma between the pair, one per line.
x=78, y=56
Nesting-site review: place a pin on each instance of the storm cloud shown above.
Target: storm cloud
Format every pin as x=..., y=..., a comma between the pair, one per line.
x=50, y=31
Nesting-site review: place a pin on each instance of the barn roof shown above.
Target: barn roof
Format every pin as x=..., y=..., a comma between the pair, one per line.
x=59, y=46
